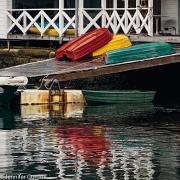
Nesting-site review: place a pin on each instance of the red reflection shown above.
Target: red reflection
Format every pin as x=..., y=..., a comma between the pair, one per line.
x=87, y=142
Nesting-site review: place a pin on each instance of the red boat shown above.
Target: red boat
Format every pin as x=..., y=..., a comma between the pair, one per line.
x=84, y=44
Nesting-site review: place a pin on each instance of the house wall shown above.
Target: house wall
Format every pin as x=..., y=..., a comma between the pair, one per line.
x=125, y=20
x=170, y=16
x=178, y=16
x=4, y=5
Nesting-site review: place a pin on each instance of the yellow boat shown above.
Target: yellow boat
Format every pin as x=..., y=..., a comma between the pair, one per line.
x=118, y=42
x=51, y=31
x=34, y=30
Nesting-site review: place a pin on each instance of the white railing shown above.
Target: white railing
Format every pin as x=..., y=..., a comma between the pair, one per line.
x=131, y=20
x=119, y=20
x=23, y=19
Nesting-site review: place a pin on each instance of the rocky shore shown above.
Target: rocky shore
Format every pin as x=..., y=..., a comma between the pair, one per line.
x=17, y=56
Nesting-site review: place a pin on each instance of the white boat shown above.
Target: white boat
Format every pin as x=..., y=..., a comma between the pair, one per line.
x=8, y=87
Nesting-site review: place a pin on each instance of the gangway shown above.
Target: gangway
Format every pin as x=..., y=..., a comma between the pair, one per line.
x=86, y=68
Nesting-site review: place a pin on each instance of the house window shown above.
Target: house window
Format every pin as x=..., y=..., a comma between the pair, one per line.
x=69, y=3
x=132, y=4
x=120, y=3
x=26, y=4
x=92, y=3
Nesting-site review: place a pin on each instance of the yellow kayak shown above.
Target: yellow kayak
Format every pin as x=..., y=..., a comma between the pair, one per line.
x=118, y=42
x=51, y=31
x=34, y=30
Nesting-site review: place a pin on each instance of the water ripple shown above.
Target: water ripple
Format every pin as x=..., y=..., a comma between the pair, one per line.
x=105, y=142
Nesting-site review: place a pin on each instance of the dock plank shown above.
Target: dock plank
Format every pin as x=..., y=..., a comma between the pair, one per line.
x=64, y=71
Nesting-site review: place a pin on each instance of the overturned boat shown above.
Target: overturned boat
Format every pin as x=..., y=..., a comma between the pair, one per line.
x=118, y=42
x=84, y=44
x=139, y=52
x=8, y=87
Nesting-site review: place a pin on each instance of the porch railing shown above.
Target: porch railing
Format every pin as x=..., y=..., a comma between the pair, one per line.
x=120, y=20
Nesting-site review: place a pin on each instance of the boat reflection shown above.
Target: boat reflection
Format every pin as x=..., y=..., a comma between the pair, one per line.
x=7, y=119
x=91, y=152
x=126, y=111
x=83, y=147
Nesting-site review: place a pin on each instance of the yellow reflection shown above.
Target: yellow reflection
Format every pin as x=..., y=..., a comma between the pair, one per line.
x=73, y=110
x=30, y=111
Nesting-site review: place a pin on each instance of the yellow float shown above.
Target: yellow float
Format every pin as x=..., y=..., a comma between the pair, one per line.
x=118, y=42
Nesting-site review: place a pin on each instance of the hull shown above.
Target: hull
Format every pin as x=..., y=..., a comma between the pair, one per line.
x=118, y=42
x=84, y=44
x=50, y=32
x=13, y=81
x=53, y=32
x=7, y=93
x=34, y=30
x=139, y=52
x=118, y=97
x=8, y=87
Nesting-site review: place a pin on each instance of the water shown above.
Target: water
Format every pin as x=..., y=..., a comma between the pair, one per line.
x=103, y=142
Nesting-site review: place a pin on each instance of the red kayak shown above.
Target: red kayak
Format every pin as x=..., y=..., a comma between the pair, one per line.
x=84, y=44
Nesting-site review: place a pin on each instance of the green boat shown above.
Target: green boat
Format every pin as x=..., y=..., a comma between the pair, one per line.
x=118, y=97
x=139, y=52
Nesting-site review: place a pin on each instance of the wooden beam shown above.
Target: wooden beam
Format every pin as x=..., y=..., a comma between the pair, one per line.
x=116, y=68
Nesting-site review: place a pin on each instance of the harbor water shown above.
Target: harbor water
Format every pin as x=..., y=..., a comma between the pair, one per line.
x=95, y=142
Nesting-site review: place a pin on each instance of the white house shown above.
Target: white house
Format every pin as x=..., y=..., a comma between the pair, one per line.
x=170, y=16
x=120, y=16
x=5, y=21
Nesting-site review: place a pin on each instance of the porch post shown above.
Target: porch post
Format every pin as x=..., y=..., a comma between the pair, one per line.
x=126, y=16
x=24, y=22
x=103, y=7
x=61, y=17
x=76, y=17
x=81, y=19
x=150, y=18
x=115, y=19
x=137, y=11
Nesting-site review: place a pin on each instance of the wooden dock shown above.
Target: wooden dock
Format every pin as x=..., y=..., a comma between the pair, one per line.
x=65, y=70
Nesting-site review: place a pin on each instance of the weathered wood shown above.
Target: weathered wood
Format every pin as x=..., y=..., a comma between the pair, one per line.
x=116, y=68
x=64, y=71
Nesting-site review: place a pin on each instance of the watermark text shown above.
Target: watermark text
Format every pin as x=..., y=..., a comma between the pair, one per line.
x=22, y=177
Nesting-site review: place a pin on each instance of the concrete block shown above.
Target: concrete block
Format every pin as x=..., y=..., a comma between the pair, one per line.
x=33, y=96
x=73, y=96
